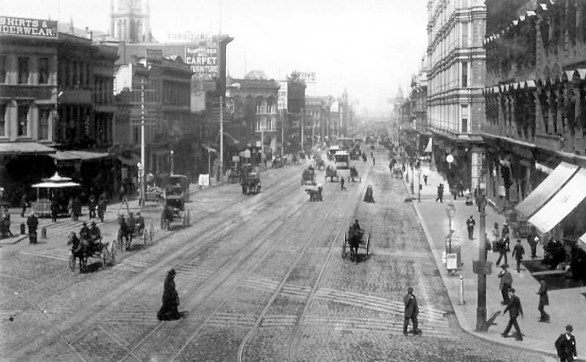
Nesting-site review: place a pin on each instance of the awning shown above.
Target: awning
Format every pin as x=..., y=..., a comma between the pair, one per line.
x=547, y=189
x=78, y=155
x=566, y=200
x=132, y=160
x=428, y=147
x=241, y=142
x=55, y=185
x=24, y=148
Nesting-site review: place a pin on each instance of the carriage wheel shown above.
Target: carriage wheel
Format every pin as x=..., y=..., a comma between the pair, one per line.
x=344, y=253
x=367, y=244
x=72, y=262
x=145, y=239
x=163, y=221
x=152, y=233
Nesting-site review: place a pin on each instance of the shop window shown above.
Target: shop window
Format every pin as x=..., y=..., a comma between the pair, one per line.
x=23, y=70
x=23, y=121
x=3, y=123
x=43, y=70
x=43, y=129
x=3, y=71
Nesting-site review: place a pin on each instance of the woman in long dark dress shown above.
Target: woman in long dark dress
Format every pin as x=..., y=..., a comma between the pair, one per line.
x=169, y=310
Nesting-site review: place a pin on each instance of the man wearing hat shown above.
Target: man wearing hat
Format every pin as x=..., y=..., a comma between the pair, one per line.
x=411, y=312
x=566, y=345
x=506, y=282
x=515, y=309
x=95, y=233
x=84, y=233
x=32, y=222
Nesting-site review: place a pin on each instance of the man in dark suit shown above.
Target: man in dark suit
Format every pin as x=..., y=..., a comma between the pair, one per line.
x=566, y=345
x=411, y=312
x=515, y=310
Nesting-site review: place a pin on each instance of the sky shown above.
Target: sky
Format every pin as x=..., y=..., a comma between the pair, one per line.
x=368, y=47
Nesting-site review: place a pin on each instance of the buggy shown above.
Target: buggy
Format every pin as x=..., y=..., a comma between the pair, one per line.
x=332, y=173
x=174, y=212
x=354, y=175
x=308, y=176
x=251, y=183
x=353, y=241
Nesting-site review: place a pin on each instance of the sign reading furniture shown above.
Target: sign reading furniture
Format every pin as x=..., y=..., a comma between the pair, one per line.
x=28, y=27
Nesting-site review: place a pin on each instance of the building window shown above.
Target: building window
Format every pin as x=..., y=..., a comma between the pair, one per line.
x=464, y=74
x=465, y=116
x=43, y=70
x=43, y=130
x=3, y=123
x=23, y=70
x=136, y=135
x=3, y=71
x=465, y=34
x=23, y=113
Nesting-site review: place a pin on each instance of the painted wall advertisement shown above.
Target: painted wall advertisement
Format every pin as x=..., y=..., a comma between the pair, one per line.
x=282, y=96
x=28, y=27
x=203, y=58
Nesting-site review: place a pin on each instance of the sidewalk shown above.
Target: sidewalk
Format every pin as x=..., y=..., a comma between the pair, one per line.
x=567, y=306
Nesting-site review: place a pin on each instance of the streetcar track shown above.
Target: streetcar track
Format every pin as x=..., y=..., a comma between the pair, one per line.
x=164, y=258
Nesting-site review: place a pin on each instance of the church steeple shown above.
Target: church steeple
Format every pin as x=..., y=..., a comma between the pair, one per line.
x=130, y=21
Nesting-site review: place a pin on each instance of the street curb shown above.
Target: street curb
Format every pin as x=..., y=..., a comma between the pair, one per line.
x=462, y=322
x=18, y=239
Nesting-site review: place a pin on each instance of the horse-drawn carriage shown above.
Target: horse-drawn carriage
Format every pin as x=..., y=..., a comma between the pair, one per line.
x=332, y=173
x=308, y=176
x=354, y=175
x=251, y=183
x=131, y=229
x=315, y=194
x=174, y=212
x=353, y=241
x=154, y=193
x=83, y=249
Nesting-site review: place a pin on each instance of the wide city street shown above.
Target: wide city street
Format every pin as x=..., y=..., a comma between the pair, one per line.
x=260, y=277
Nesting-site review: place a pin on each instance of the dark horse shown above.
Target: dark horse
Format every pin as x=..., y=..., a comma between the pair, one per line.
x=80, y=249
x=124, y=232
x=354, y=239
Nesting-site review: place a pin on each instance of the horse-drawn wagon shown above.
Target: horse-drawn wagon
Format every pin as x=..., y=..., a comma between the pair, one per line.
x=251, y=183
x=83, y=249
x=354, y=175
x=397, y=171
x=174, y=212
x=353, y=241
x=332, y=173
x=308, y=176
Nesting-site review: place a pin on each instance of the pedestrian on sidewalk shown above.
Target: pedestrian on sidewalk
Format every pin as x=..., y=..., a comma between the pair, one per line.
x=92, y=203
x=411, y=312
x=32, y=223
x=505, y=284
x=23, y=203
x=565, y=346
x=425, y=176
x=543, y=301
x=495, y=236
x=533, y=240
x=503, y=248
x=342, y=182
x=505, y=230
x=54, y=209
x=518, y=253
x=101, y=208
x=470, y=225
x=515, y=310
x=440, y=193
x=373, y=161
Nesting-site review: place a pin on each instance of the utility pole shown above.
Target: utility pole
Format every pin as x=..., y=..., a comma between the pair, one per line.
x=302, y=117
x=221, y=138
x=480, y=266
x=142, y=147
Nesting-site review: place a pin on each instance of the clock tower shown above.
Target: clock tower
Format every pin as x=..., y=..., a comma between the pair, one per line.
x=130, y=21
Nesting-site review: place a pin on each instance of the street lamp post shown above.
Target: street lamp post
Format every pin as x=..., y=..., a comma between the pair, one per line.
x=142, y=147
x=419, y=184
x=450, y=212
x=172, y=162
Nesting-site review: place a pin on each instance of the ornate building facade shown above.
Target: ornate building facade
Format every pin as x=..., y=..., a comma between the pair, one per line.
x=455, y=103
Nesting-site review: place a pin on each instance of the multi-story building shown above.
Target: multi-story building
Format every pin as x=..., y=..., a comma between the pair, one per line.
x=536, y=111
x=55, y=97
x=160, y=93
x=317, y=112
x=418, y=96
x=253, y=123
x=455, y=104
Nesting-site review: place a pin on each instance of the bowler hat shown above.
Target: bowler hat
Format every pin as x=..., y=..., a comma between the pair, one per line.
x=410, y=290
x=569, y=328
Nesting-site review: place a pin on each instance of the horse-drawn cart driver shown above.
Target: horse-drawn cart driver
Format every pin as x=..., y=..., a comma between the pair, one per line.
x=95, y=233
x=356, y=226
x=139, y=223
x=84, y=233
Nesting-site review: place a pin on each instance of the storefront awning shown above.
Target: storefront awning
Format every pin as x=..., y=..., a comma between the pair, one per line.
x=131, y=160
x=24, y=148
x=539, y=197
x=241, y=142
x=566, y=200
x=78, y=155
x=428, y=147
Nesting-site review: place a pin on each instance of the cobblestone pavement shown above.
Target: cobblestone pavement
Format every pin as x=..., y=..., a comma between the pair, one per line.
x=261, y=278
